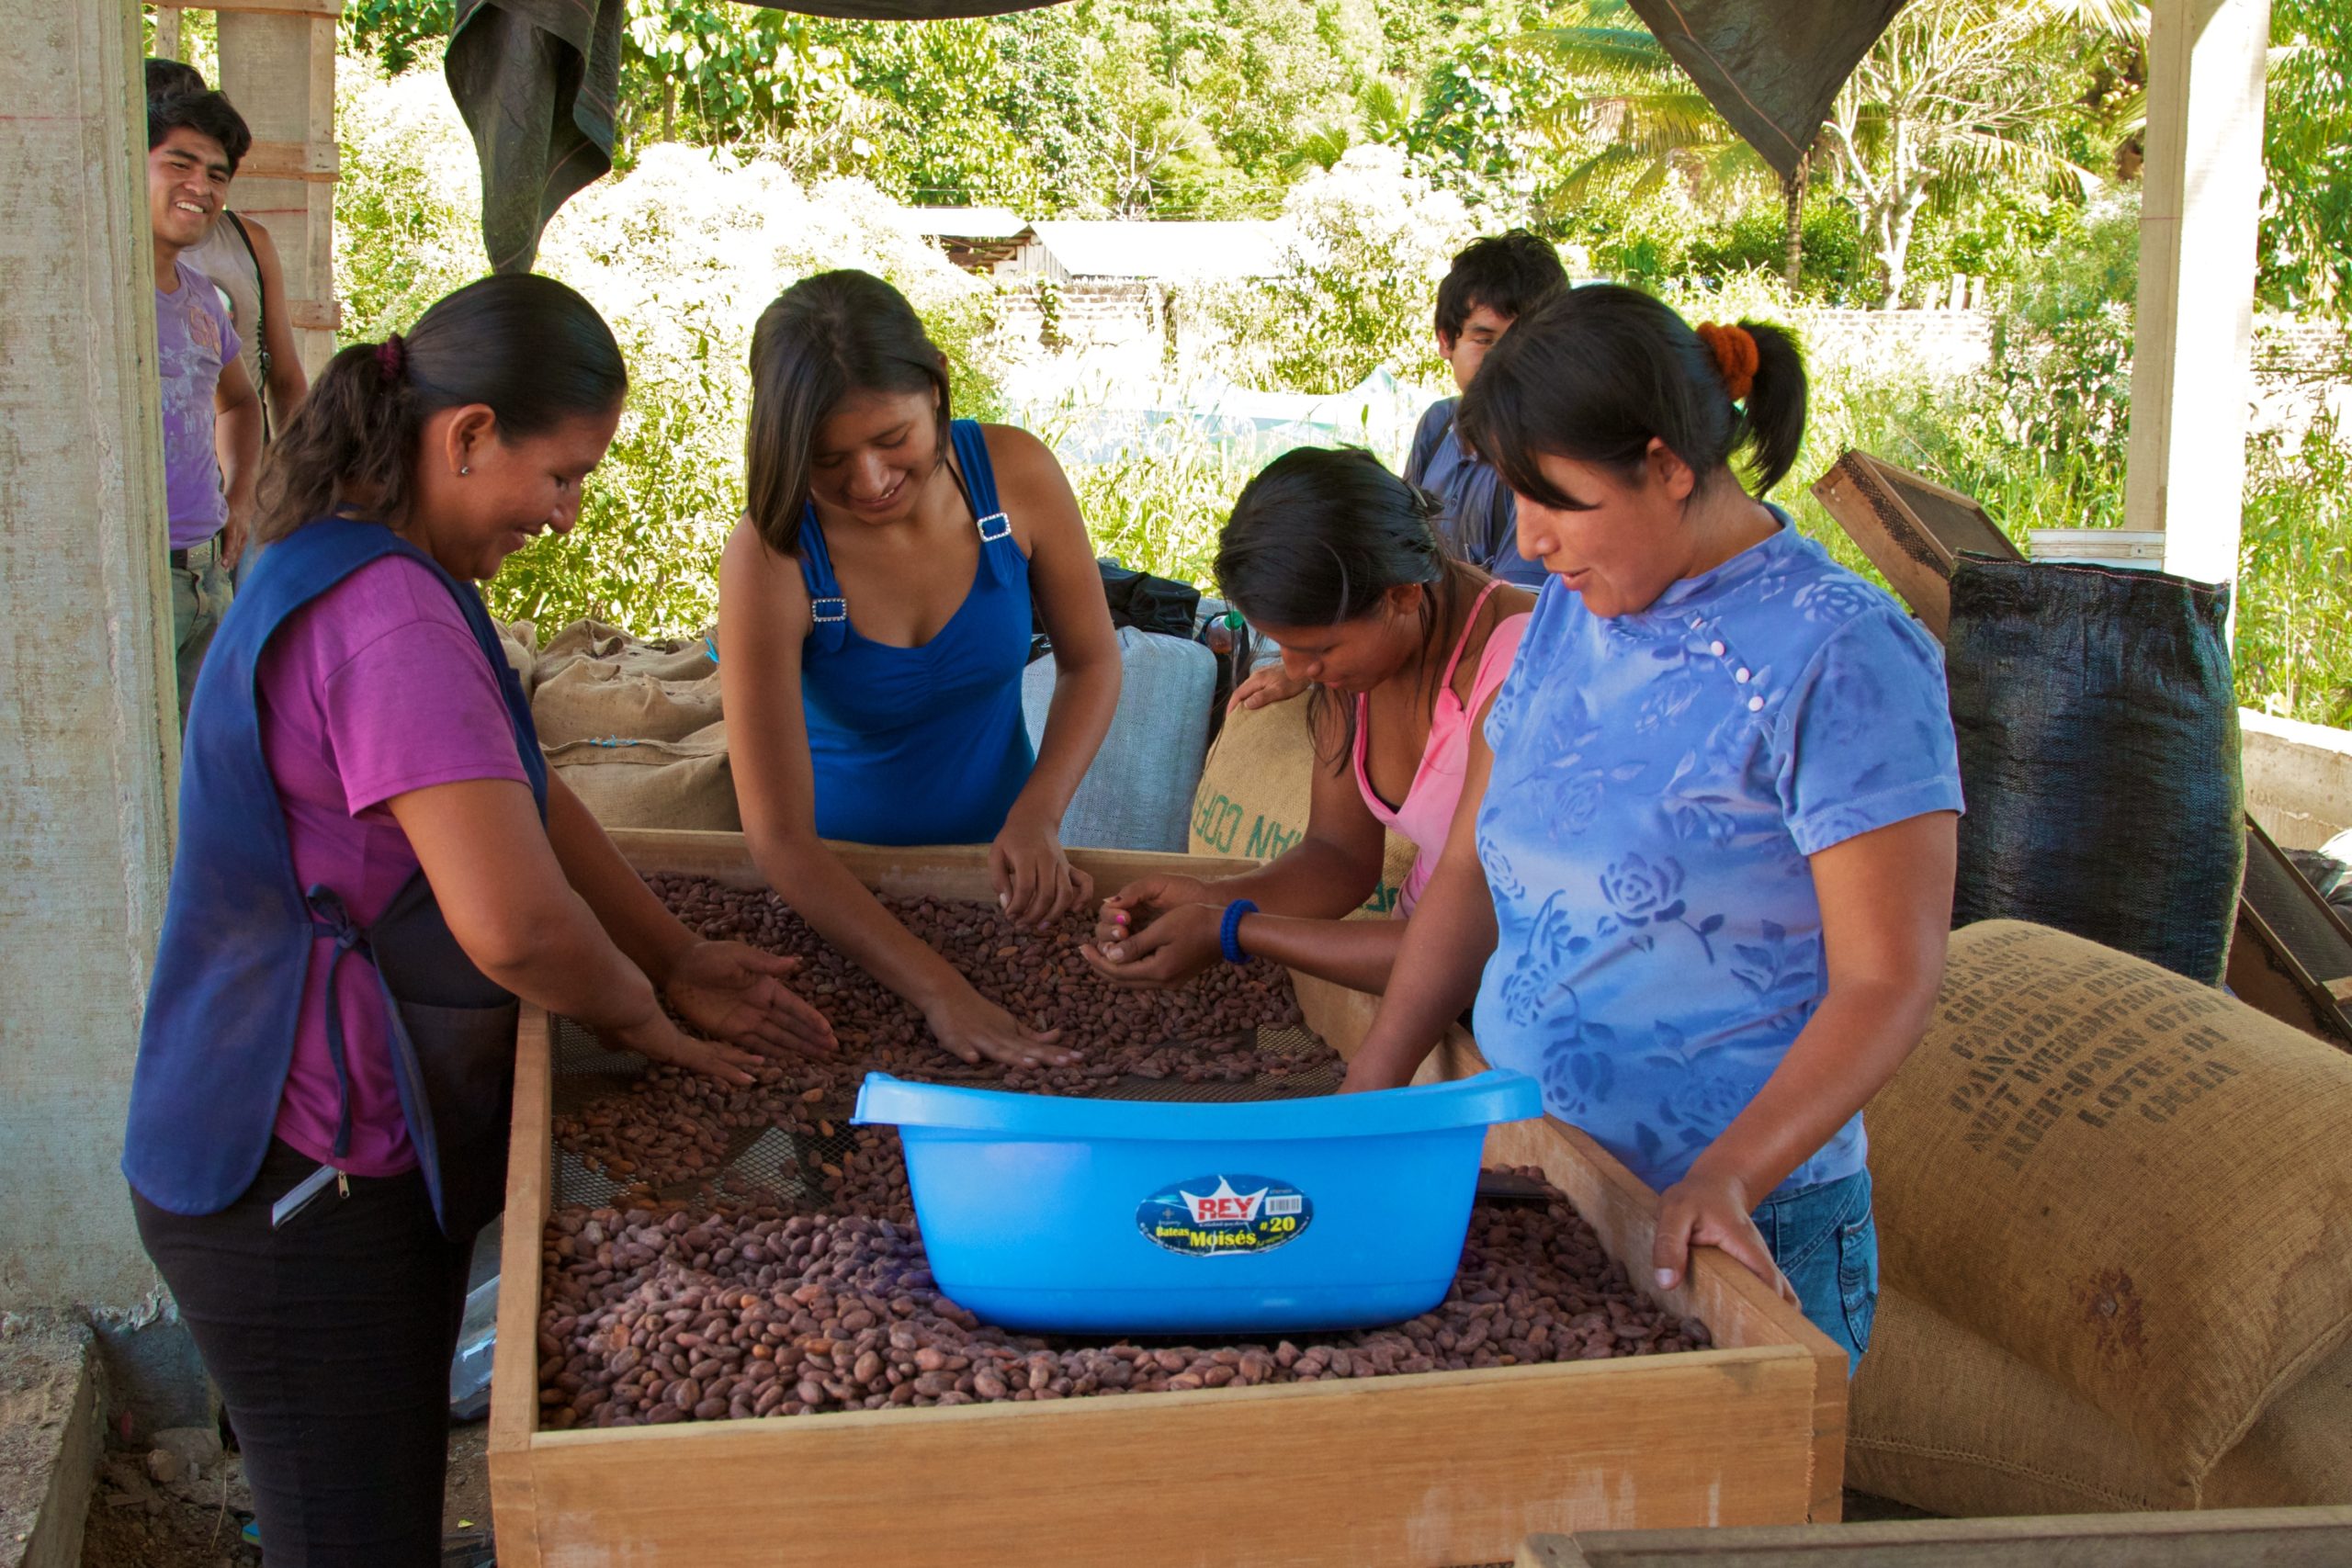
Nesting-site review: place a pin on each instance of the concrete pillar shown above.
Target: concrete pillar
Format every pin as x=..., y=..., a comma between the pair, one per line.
x=2199, y=205
x=88, y=730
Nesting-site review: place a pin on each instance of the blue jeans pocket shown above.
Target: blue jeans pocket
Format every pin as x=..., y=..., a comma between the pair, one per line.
x=1858, y=1270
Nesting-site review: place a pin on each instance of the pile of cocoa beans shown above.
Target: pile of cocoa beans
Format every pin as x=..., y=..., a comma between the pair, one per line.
x=745, y=1301
x=649, y=1318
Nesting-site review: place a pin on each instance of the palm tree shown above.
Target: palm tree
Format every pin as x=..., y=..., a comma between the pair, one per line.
x=1950, y=95
x=1653, y=121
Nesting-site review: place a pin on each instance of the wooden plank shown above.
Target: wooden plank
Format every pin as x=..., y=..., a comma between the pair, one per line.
x=2193, y=341
x=1737, y=1308
x=1912, y=529
x=315, y=314
x=1438, y=1469
x=291, y=161
x=514, y=1377
x=327, y=8
x=2270, y=1538
x=278, y=65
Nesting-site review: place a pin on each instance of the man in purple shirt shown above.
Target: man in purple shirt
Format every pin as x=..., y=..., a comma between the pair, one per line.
x=212, y=416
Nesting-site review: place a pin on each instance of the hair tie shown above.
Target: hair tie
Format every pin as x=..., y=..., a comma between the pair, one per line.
x=391, y=357
x=1735, y=356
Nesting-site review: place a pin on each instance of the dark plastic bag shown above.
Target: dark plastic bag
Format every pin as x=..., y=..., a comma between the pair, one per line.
x=2098, y=752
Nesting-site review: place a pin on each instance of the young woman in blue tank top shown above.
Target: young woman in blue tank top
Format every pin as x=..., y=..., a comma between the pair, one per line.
x=1701, y=878
x=874, y=620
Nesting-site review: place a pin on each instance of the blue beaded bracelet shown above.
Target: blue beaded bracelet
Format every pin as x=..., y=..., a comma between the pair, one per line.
x=1228, y=930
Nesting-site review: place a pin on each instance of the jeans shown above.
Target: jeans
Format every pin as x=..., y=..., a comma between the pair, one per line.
x=1827, y=1243
x=200, y=597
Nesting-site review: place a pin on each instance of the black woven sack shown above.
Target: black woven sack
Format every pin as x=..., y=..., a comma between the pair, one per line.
x=2099, y=751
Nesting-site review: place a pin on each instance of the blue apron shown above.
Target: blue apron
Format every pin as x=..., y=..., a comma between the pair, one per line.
x=223, y=1011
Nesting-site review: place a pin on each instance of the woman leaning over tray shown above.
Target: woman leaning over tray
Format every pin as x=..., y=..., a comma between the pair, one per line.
x=875, y=610
x=373, y=865
x=1702, y=877
x=1337, y=560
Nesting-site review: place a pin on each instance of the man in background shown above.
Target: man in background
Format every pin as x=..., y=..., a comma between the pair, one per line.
x=194, y=142
x=1493, y=282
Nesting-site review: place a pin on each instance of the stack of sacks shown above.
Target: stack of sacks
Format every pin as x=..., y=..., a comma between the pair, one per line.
x=634, y=728
x=2116, y=1214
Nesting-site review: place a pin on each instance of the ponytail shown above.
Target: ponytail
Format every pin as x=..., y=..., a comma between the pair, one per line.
x=528, y=348
x=1596, y=374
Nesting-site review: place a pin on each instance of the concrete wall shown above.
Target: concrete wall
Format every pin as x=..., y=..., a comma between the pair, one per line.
x=2298, y=779
x=85, y=691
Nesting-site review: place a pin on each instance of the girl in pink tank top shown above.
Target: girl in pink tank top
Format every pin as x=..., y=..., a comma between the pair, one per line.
x=1337, y=561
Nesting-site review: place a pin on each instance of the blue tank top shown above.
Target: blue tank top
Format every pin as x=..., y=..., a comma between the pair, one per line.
x=922, y=745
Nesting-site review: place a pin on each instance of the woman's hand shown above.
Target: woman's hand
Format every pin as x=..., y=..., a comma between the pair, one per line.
x=1178, y=945
x=1267, y=683
x=1704, y=1210
x=1143, y=900
x=660, y=1040
x=1368, y=1074
x=735, y=993
x=1035, y=884
x=971, y=1027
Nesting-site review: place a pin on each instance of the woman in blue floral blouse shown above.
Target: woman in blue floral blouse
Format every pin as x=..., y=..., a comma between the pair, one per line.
x=1701, y=880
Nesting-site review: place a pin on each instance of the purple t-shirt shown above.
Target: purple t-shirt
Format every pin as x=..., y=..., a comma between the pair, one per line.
x=194, y=340
x=375, y=688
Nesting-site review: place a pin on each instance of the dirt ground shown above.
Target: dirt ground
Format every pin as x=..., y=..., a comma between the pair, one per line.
x=193, y=1522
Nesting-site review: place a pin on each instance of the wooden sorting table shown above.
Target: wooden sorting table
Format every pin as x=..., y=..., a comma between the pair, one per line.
x=1440, y=1467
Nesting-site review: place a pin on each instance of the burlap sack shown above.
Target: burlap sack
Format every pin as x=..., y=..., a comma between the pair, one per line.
x=2128, y=1181
x=595, y=699
x=1254, y=792
x=1942, y=1420
x=520, y=640
x=679, y=658
x=653, y=783
x=2300, y=1453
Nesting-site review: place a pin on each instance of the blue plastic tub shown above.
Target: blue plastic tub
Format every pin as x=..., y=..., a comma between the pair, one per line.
x=1111, y=1217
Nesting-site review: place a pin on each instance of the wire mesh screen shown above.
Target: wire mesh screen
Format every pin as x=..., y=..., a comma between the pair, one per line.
x=782, y=1165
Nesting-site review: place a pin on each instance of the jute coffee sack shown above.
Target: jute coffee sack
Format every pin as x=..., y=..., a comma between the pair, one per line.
x=1943, y=1421
x=2130, y=1182
x=1254, y=792
x=590, y=699
x=653, y=783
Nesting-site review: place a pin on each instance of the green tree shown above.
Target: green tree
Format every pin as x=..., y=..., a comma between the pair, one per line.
x=1650, y=122
x=1956, y=91
x=2306, y=245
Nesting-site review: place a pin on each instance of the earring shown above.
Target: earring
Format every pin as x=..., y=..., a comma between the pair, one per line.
x=462, y=472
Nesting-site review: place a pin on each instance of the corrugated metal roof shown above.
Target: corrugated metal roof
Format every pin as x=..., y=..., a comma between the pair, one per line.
x=1138, y=248
x=966, y=222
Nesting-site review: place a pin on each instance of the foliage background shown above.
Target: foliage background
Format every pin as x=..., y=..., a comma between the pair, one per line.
x=757, y=146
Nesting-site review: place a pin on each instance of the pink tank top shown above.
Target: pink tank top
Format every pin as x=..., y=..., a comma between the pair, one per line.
x=1427, y=809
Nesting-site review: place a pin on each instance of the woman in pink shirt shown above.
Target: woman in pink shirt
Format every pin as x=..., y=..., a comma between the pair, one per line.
x=1337, y=560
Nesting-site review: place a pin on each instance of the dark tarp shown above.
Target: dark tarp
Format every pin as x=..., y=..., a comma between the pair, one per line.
x=1770, y=67
x=538, y=82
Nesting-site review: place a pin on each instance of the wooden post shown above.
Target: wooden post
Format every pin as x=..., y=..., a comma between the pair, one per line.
x=277, y=67
x=2199, y=203
x=167, y=34
x=89, y=705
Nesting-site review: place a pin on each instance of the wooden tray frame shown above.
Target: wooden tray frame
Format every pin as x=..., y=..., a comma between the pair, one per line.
x=1443, y=1468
